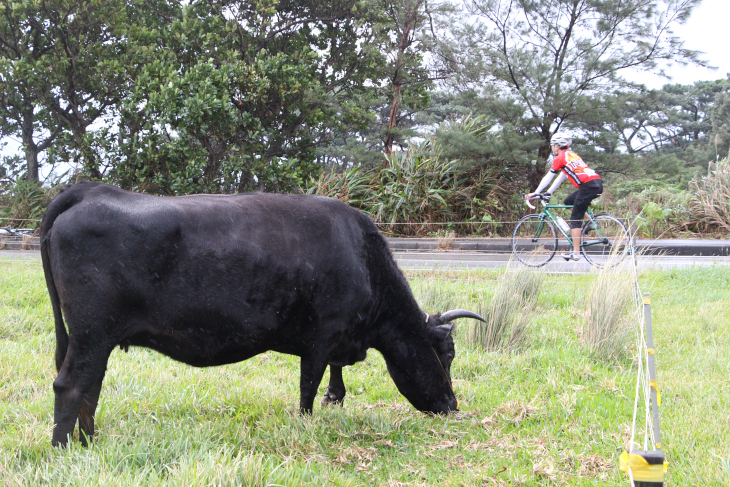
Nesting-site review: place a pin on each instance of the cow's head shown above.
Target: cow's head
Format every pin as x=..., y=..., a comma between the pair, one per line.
x=422, y=371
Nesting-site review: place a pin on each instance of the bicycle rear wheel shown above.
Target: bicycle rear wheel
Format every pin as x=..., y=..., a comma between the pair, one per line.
x=607, y=243
x=534, y=240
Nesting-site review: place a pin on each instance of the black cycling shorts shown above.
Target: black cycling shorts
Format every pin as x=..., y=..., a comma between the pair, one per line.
x=581, y=200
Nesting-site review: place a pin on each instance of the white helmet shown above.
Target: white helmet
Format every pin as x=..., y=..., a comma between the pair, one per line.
x=561, y=139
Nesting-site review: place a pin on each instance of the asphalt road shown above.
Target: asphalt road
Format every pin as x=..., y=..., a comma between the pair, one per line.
x=472, y=260
x=475, y=260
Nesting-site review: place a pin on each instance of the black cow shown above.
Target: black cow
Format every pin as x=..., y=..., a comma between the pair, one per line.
x=211, y=280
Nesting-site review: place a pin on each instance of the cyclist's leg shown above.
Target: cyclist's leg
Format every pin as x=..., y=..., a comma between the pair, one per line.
x=585, y=194
x=570, y=199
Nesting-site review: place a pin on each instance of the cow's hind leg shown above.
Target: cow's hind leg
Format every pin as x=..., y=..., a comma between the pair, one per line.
x=336, y=389
x=88, y=409
x=312, y=371
x=77, y=390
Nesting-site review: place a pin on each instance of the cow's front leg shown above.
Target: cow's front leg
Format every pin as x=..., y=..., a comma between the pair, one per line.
x=336, y=389
x=312, y=371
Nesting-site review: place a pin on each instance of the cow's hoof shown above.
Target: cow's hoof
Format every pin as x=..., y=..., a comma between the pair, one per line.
x=332, y=398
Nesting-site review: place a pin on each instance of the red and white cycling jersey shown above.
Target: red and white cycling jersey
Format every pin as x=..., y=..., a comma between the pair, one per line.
x=573, y=166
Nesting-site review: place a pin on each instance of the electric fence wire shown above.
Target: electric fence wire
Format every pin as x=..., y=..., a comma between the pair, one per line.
x=380, y=224
x=474, y=223
x=20, y=219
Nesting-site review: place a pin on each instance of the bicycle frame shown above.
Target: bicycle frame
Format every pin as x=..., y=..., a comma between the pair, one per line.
x=551, y=217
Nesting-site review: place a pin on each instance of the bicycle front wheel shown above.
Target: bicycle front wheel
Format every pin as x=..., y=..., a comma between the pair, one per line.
x=534, y=240
x=605, y=242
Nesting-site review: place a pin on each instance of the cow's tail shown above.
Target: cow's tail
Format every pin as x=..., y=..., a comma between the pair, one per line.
x=65, y=200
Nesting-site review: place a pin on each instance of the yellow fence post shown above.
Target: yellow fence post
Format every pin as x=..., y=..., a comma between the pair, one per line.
x=647, y=468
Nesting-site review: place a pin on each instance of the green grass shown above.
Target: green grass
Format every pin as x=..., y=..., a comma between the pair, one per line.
x=550, y=414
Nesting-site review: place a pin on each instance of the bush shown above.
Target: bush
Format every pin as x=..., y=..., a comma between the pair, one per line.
x=710, y=201
x=656, y=211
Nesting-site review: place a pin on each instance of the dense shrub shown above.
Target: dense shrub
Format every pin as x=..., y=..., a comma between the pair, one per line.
x=656, y=211
x=421, y=191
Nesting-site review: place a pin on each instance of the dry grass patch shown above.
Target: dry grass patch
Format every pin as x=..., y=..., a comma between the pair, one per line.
x=593, y=465
x=514, y=412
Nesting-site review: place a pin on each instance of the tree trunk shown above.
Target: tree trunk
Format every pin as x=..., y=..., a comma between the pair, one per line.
x=31, y=149
x=31, y=160
x=393, y=120
x=537, y=172
x=534, y=174
x=409, y=24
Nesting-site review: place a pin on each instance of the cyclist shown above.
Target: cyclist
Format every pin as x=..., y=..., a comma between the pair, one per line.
x=589, y=184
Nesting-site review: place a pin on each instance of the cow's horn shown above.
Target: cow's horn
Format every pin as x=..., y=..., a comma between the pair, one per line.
x=459, y=313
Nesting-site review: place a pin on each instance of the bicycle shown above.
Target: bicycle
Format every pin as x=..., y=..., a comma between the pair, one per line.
x=17, y=232
x=604, y=240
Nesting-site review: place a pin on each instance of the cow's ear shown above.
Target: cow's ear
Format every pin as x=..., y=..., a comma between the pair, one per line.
x=442, y=332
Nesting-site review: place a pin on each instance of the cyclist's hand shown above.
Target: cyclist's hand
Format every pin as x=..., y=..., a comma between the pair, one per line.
x=529, y=196
x=546, y=197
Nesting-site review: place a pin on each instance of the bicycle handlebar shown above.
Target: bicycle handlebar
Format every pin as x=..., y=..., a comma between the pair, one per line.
x=543, y=197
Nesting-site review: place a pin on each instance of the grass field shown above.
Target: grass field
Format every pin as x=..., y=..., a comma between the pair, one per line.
x=548, y=414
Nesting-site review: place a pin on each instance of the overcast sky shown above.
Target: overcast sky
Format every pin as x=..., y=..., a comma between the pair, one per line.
x=706, y=31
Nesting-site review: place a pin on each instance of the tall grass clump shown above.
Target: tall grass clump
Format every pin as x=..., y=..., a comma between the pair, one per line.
x=23, y=202
x=608, y=317
x=710, y=203
x=352, y=186
x=509, y=314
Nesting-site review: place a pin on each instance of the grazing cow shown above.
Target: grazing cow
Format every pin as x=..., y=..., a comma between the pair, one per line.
x=211, y=280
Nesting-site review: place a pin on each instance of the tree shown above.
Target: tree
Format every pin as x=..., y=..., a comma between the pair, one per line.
x=65, y=65
x=548, y=57
x=398, y=35
x=23, y=84
x=720, y=139
x=242, y=94
x=406, y=18
x=89, y=70
x=662, y=132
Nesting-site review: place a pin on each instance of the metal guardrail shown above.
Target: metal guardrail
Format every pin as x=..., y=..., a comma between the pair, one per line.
x=19, y=242
x=18, y=239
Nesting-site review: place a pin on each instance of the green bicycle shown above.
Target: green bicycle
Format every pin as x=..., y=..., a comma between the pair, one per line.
x=604, y=241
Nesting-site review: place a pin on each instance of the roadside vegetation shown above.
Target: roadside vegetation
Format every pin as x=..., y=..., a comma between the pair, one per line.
x=550, y=412
x=422, y=194
x=432, y=117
